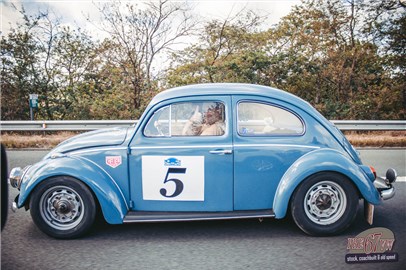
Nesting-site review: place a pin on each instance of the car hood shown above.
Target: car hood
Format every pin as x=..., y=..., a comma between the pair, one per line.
x=97, y=138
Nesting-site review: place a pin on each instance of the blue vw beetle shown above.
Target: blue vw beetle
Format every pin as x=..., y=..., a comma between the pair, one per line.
x=201, y=152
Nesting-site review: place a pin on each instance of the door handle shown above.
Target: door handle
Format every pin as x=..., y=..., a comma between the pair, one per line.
x=221, y=152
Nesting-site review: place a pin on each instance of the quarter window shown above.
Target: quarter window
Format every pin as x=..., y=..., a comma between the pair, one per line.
x=188, y=119
x=259, y=119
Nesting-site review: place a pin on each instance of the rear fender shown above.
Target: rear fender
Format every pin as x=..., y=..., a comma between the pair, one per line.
x=319, y=161
x=109, y=195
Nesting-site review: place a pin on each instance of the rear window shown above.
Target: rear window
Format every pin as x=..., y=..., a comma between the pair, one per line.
x=261, y=119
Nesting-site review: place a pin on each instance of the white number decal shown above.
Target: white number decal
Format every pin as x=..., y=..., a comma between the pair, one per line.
x=174, y=178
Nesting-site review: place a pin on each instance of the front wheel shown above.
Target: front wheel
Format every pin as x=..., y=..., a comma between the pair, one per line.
x=63, y=207
x=324, y=204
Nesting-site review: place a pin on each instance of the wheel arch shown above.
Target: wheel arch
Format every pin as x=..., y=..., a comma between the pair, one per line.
x=326, y=203
x=322, y=172
x=323, y=160
x=106, y=192
x=28, y=200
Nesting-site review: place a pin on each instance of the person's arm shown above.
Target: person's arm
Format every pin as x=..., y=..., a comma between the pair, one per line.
x=193, y=126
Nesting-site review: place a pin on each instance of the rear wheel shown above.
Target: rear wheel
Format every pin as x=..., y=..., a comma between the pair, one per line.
x=324, y=204
x=63, y=207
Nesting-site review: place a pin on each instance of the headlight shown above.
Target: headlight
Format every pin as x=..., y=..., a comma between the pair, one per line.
x=16, y=176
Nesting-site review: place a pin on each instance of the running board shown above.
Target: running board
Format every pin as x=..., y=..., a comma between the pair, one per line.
x=144, y=216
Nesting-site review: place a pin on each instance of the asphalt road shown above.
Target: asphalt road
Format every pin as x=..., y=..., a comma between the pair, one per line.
x=242, y=244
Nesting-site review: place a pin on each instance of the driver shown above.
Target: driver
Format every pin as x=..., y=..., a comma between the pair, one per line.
x=211, y=124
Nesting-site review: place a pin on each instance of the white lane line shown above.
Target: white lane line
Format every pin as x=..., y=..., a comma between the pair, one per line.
x=398, y=179
x=401, y=179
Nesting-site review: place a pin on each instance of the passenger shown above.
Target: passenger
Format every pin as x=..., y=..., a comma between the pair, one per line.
x=213, y=124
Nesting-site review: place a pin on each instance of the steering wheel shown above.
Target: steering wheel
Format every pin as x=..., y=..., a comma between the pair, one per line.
x=157, y=126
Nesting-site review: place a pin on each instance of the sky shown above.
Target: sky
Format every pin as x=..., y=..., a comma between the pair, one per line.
x=74, y=12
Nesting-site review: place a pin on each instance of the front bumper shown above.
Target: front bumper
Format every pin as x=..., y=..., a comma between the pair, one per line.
x=14, y=206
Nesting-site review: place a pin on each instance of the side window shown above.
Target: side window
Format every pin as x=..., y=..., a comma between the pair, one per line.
x=158, y=125
x=188, y=119
x=259, y=119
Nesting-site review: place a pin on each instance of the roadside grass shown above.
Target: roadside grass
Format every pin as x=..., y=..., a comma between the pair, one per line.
x=14, y=140
x=48, y=140
x=377, y=138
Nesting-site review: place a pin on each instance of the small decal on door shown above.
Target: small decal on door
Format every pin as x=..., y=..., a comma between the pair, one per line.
x=113, y=161
x=172, y=162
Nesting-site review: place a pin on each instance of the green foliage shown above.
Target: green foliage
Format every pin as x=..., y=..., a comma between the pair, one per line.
x=347, y=58
x=41, y=57
x=334, y=62
x=18, y=56
x=344, y=57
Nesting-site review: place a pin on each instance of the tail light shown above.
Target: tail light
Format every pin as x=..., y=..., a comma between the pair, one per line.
x=373, y=171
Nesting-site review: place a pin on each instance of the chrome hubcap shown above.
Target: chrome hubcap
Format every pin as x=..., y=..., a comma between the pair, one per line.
x=325, y=203
x=62, y=208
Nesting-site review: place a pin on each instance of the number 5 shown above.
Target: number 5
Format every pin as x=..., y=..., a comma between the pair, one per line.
x=178, y=183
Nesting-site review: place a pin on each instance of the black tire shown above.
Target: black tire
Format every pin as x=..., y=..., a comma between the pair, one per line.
x=4, y=187
x=63, y=207
x=324, y=204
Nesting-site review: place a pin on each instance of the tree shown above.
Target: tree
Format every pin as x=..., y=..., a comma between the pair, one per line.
x=330, y=57
x=19, y=55
x=76, y=66
x=139, y=35
x=395, y=35
x=228, y=51
x=347, y=58
x=42, y=57
x=342, y=56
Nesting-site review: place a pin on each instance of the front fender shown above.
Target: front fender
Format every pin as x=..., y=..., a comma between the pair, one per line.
x=108, y=194
x=319, y=161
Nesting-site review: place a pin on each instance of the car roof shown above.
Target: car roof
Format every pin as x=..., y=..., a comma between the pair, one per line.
x=215, y=89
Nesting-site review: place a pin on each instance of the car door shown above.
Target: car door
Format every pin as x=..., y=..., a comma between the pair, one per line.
x=267, y=142
x=179, y=161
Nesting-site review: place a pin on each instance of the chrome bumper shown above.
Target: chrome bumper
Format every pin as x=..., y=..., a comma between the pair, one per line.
x=14, y=206
x=384, y=185
x=388, y=193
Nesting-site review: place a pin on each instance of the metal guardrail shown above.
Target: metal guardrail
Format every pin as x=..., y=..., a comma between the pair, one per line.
x=370, y=125
x=69, y=125
x=81, y=125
